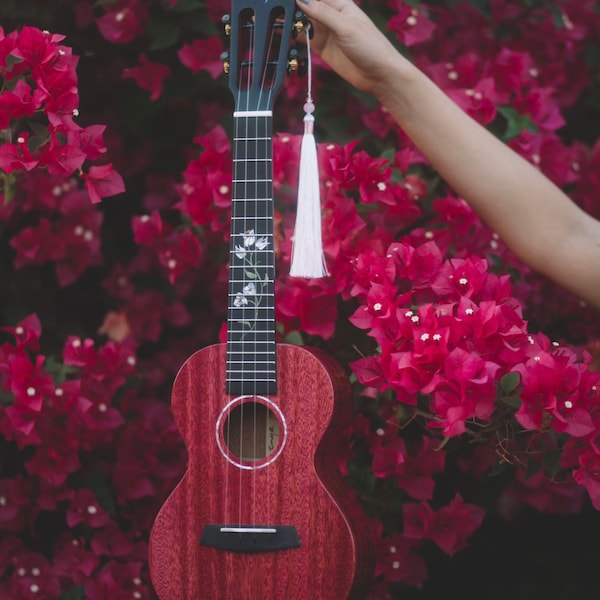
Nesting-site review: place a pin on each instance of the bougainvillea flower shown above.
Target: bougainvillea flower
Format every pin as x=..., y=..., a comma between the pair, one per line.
x=410, y=25
x=122, y=21
x=103, y=181
x=203, y=55
x=149, y=75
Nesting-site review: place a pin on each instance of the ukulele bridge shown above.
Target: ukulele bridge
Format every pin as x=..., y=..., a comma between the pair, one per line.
x=250, y=539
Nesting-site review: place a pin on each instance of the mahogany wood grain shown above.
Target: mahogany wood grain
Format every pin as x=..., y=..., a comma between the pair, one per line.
x=302, y=487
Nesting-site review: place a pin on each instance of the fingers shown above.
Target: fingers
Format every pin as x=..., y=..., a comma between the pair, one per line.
x=327, y=12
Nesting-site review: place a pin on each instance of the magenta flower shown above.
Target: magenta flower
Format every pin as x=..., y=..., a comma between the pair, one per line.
x=149, y=76
x=203, y=54
x=410, y=25
x=84, y=508
x=122, y=21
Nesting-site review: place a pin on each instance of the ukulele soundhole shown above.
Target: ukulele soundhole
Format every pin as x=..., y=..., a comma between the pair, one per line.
x=251, y=432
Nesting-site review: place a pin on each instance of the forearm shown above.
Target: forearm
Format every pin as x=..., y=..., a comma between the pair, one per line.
x=534, y=217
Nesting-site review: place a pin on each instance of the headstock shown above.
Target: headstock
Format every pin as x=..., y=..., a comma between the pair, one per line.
x=260, y=56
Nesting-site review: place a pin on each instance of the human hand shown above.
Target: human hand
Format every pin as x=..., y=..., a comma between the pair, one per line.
x=351, y=44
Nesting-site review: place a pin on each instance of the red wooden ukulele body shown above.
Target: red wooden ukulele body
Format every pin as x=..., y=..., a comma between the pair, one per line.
x=297, y=484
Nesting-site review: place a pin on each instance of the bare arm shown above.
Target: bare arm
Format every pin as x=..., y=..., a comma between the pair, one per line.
x=532, y=215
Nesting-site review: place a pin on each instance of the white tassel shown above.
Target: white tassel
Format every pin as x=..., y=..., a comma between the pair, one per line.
x=308, y=259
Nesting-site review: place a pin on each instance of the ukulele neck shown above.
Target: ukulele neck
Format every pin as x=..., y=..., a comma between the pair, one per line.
x=251, y=349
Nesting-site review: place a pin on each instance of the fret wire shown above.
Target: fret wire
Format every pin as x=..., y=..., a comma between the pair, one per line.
x=265, y=295
x=269, y=353
x=250, y=139
x=259, y=321
x=269, y=364
x=267, y=161
x=238, y=372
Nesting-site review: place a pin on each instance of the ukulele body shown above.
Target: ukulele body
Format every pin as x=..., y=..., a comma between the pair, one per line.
x=296, y=484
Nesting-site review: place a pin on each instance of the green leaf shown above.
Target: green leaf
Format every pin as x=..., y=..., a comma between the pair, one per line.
x=187, y=5
x=389, y=154
x=164, y=35
x=512, y=400
x=498, y=468
x=8, y=187
x=200, y=23
x=510, y=382
x=75, y=593
x=483, y=6
x=6, y=398
x=11, y=61
x=516, y=122
x=552, y=462
x=294, y=337
x=533, y=467
x=250, y=274
x=57, y=370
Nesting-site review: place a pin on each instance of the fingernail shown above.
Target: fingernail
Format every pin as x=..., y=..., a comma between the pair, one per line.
x=306, y=1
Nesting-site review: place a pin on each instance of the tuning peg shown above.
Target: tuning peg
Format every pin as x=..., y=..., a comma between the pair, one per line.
x=225, y=59
x=226, y=20
x=297, y=62
x=302, y=24
x=293, y=60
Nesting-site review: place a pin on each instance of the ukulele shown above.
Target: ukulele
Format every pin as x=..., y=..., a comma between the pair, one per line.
x=262, y=512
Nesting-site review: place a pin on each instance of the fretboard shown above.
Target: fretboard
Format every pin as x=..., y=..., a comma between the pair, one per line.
x=251, y=350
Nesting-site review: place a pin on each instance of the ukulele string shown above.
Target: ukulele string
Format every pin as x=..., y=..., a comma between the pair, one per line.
x=247, y=246
x=271, y=254
x=262, y=140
